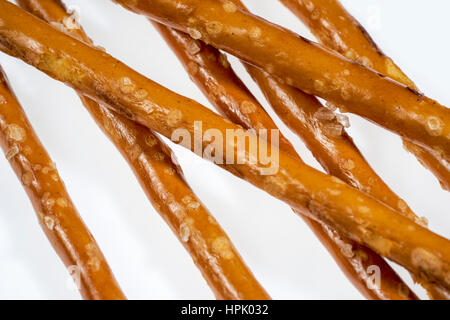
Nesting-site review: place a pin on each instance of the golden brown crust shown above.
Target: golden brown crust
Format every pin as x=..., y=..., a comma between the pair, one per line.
x=162, y=180
x=328, y=199
x=359, y=265
x=433, y=161
x=327, y=139
x=308, y=66
x=337, y=29
x=56, y=213
x=213, y=74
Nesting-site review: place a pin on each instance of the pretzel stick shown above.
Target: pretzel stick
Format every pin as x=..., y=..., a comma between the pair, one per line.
x=329, y=142
x=163, y=182
x=56, y=213
x=339, y=30
x=213, y=74
x=326, y=199
x=344, y=34
x=307, y=66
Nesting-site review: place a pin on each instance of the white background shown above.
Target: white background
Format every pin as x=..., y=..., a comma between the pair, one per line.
x=147, y=260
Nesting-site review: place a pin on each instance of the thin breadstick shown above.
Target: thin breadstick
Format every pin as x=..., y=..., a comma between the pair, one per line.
x=164, y=184
x=329, y=142
x=57, y=215
x=306, y=65
x=212, y=73
x=334, y=149
x=337, y=29
x=326, y=199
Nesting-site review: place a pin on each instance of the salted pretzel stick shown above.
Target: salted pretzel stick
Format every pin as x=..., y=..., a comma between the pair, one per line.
x=330, y=144
x=337, y=29
x=163, y=182
x=56, y=213
x=306, y=65
x=212, y=73
x=327, y=199
x=327, y=139
x=329, y=21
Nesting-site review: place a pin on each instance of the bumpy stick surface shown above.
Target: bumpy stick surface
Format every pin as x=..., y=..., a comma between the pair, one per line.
x=56, y=213
x=212, y=73
x=337, y=29
x=163, y=182
x=306, y=65
x=327, y=139
x=328, y=199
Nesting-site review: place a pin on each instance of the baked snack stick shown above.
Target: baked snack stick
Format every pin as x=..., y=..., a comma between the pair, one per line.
x=163, y=182
x=324, y=136
x=212, y=73
x=56, y=213
x=336, y=152
x=337, y=29
x=330, y=144
x=327, y=139
x=349, y=26
x=326, y=199
x=307, y=66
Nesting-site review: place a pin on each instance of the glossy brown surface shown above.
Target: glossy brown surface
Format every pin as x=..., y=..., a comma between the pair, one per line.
x=337, y=29
x=308, y=66
x=212, y=73
x=327, y=199
x=161, y=178
x=56, y=213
